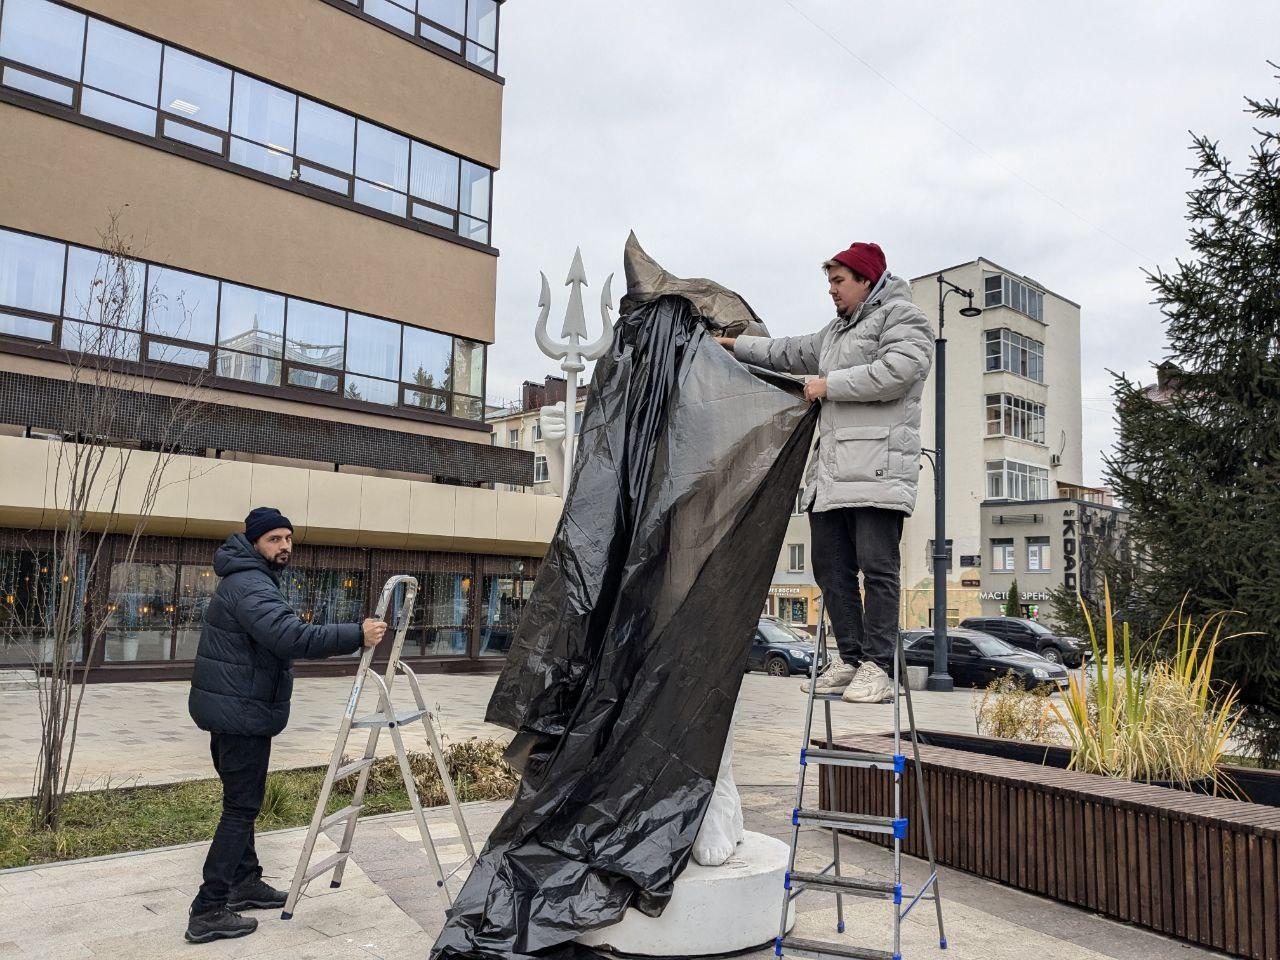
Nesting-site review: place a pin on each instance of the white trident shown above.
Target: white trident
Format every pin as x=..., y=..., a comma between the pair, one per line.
x=572, y=353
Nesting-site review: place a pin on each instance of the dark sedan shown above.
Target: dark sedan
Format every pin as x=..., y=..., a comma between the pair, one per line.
x=978, y=658
x=778, y=650
x=1031, y=635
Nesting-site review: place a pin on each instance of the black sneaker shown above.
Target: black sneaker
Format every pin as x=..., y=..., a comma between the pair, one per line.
x=255, y=895
x=219, y=924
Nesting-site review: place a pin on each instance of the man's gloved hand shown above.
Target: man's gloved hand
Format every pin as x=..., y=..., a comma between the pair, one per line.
x=373, y=631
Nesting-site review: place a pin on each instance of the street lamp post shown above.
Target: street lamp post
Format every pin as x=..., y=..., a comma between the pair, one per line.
x=940, y=678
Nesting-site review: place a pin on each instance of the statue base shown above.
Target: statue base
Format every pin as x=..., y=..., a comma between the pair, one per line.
x=713, y=910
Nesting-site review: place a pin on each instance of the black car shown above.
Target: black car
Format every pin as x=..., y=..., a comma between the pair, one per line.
x=1030, y=635
x=778, y=650
x=978, y=658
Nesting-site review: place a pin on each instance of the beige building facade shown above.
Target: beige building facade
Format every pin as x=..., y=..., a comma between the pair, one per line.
x=302, y=191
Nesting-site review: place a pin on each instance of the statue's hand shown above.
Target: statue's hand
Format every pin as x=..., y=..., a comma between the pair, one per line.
x=551, y=420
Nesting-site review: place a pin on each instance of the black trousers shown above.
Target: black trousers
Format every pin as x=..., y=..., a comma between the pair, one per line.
x=864, y=618
x=241, y=763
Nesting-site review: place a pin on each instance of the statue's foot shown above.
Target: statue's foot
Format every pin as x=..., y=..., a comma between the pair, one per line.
x=713, y=851
x=722, y=828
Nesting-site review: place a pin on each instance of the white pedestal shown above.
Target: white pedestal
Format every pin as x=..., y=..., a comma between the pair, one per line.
x=713, y=909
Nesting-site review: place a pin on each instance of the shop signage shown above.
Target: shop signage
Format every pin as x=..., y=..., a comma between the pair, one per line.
x=1069, y=544
x=786, y=591
x=1004, y=595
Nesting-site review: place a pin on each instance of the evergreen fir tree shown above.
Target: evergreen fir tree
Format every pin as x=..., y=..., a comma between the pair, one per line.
x=1013, y=606
x=1198, y=463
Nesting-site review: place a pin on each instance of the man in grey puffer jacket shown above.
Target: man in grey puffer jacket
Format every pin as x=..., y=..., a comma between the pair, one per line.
x=869, y=366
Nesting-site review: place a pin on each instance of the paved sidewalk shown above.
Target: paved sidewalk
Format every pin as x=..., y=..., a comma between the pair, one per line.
x=140, y=732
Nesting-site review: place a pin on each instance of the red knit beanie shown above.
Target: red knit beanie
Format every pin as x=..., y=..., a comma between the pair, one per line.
x=864, y=259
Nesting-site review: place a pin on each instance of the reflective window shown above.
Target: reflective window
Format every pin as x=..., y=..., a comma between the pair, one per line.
x=181, y=305
x=382, y=164
x=314, y=335
x=427, y=359
x=325, y=596
x=140, y=612
x=262, y=122
x=30, y=272
x=435, y=176
x=482, y=33
x=196, y=586
x=103, y=289
x=325, y=135
x=373, y=346
x=40, y=86
x=251, y=321
x=468, y=367
x=424, y=400
x=43, y=35
x=445, y=603
x=16, y=325
x=451, y=14
x=500, y=609
x=29, y=595
x=122, y=62
x=313, y=380
x=196, y=89
x=372, y=391
x=113, y=342
x=249, y=367
x=474, y=202
x=400, y=17
x=170, y=353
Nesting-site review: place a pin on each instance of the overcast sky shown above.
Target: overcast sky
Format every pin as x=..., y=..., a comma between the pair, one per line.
x=743, y=143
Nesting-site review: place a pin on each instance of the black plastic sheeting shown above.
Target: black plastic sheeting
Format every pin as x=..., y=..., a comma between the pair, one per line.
x=623, y=674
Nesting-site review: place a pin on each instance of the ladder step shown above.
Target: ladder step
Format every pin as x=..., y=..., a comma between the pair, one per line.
x=325, y=865
x=896, y=762
x=398, y=719
x=354, y=767
x=851, y=821
x=338, y=816
x=846, y=885
x=818, y=950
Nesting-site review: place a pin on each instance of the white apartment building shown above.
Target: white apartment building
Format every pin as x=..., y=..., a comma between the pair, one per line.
x=517, y=426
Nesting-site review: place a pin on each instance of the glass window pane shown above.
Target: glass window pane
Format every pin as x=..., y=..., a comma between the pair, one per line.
x=382, y=157
x=140, y=611
x=470, y=408
x=502, y=603
x=321, y=179
x=197, y=138
x=380, y=198
x=427, y=356
x=263, y=113
x=196, y=586
x=40, y=86
x=182, y=356
x=30, y=272
x=482, y=57
x=110, y=342
x=423, y=400
x=392, y=13
x=43, y=35
x=181, y=305
x=372, y=391
x=435, y=176
x=29, y=587
x=249, y=367
x=196, y=88
x=482, y=22
x=475, y=190
x=445, y=601
x=473, y=229
x=13, y=325
x=261, y=158
x=431, y=215
x=448, y=41
x=123, y=113
x=450, y=14
x=314, y=335
x=325, y=596
x=104, y=289
x=373, y=346
x=251, y=321
x=122, y=62
x=468, y=367
x=313, y=380
x=325, y=135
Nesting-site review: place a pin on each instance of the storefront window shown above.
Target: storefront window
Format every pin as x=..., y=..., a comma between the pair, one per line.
x=140, y=612
x=444, y=614
x=325, y=596
x=196, y=585
x=500, y=608
x=28, y=608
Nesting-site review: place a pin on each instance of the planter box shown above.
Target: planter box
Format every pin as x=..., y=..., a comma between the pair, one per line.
x=1204, y=869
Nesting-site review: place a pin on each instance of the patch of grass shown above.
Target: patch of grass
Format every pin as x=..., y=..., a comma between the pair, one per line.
x=129, y=817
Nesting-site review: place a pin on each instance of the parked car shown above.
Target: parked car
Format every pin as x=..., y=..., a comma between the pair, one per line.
x=1030, y=635
x=978, y=658
x=779, y=650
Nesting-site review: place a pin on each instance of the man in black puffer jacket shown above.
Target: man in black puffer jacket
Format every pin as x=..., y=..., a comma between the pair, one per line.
x=240, y=693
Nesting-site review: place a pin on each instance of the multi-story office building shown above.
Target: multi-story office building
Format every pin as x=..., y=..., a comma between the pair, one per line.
x=1013, y=433
x=307, y=185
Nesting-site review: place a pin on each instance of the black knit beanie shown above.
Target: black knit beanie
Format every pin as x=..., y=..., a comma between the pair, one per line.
x=263, y=519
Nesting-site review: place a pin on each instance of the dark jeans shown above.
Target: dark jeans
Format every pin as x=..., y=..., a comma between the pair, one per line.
x=860, y=539
x=241, y=763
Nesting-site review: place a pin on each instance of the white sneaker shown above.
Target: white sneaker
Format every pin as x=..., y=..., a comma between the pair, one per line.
x=869, y=685
x=835, y=678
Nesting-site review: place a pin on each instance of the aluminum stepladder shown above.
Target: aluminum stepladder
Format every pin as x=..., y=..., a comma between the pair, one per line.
x=830, y=879
x=388, y=718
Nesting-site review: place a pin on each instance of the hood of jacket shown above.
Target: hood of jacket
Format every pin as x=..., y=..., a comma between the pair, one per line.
x=237, y=555
x=887, y=289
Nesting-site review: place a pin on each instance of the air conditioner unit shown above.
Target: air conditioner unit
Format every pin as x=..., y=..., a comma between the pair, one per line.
x=1055, y=459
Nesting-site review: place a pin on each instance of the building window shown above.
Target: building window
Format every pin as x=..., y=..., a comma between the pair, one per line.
x=795, y=558
x=1038, y=554
x=537, y=430
x=793, y=609
x=513, y=438
x=1007, y=350
x=1002, y=555
x=29, y=594
x=466, y=28
x=141, y=606
x=130, y=311
x=929, y=555
x=798, y=507
x=540, y=472
x=1013, y=416
x=1004, y=291
x=1011, y=480
x=137, y=83
x=503, y=600
x=953, y=620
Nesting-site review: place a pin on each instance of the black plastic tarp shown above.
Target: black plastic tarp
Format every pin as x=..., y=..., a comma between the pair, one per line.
x=625, y=668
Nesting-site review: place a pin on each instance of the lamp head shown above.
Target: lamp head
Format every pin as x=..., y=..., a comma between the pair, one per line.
x=971, y=310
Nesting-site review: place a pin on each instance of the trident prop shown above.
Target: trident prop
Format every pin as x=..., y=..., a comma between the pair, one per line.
x=573, y=352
